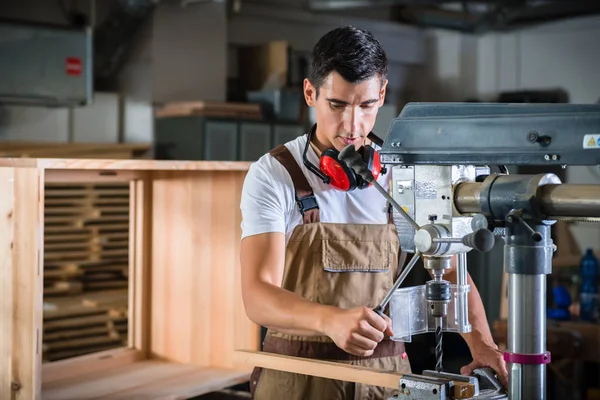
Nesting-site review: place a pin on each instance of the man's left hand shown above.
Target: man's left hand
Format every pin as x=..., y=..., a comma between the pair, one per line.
x=488, y=356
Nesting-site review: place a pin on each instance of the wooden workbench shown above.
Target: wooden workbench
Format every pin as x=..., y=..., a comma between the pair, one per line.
x=186, y=315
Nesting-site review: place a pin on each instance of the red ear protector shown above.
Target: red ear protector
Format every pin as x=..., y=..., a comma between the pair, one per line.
x=336, y=173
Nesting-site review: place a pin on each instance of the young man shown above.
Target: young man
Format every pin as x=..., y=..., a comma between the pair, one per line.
x=317, y=254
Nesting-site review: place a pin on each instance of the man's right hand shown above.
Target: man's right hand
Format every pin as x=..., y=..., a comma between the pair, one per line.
x=357, y=330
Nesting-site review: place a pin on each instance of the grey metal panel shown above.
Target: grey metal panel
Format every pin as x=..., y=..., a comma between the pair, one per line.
x=178, y=138
x=255, y=140
x=285, y=133
x=221, y=141
x=45, y=65
x=496, y=134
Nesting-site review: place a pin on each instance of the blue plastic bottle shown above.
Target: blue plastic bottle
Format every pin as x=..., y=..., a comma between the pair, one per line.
x=589, y=288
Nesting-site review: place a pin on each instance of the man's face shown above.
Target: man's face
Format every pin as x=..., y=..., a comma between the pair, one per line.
x=345, y=112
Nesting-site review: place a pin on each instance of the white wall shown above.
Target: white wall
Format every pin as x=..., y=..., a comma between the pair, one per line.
x=449, y=70
x=564, y=55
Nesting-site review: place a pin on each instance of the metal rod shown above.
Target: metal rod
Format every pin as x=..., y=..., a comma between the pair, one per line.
x=562, y=200
x=398, y=282
x=447, y=240
x=397, y=206
x=571, y=200
x=461, y=313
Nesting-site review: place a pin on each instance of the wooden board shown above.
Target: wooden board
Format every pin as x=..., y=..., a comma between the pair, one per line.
x=21, y=282
x=148, y=380
x=70, y=150
x=195, y=269
x=6, y=282
x=324, y=369
x=209, y=109
x=105, y=165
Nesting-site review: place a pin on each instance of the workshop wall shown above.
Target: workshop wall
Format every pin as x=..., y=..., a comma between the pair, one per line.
x=459, y=66
x=563, y=55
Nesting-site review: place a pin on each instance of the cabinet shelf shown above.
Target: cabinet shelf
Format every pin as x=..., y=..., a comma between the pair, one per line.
x=146, y=379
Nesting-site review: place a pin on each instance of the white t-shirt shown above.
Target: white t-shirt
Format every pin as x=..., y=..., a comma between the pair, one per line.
x=268, y=198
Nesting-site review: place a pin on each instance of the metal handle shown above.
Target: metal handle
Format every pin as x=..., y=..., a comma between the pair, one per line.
x=350, y=156
x=379, y=309
x=482, y=240
x=515, y=216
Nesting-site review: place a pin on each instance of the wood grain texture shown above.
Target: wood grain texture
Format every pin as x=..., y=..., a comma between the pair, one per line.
x=319, y=368
x=6, y=281
x=139, y=268
x=113, y=164
x=187, y=292
x=27, y=255
x=196, y=296
x=148, y=380
x=89, y=364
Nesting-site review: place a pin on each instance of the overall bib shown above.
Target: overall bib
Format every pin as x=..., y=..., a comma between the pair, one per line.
x=343, y=265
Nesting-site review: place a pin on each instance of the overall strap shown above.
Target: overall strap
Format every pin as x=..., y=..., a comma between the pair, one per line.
x=402, y=257
x=307, y=203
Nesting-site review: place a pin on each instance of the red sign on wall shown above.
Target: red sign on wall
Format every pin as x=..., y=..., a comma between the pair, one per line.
x=73, y=66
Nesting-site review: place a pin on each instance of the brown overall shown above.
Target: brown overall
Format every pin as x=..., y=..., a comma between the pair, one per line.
x=344, y=265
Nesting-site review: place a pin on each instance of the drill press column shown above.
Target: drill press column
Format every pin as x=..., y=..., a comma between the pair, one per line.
x=527, y=262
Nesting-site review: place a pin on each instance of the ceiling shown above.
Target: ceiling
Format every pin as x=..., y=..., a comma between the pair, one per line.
x=469, y=16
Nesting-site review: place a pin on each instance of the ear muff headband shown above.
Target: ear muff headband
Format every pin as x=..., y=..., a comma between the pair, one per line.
x=335, y=172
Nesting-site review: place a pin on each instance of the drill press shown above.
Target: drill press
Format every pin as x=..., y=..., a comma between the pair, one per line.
x=447, y=202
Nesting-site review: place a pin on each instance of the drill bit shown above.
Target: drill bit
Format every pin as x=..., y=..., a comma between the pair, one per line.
x=438, y=345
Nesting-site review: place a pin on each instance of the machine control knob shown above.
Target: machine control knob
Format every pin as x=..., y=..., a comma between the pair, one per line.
x=481, y=240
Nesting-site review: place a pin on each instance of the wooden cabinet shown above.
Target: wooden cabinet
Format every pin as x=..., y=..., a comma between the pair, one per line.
x=185, y=313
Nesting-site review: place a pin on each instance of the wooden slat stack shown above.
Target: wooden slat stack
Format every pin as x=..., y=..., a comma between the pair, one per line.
x=86, y=249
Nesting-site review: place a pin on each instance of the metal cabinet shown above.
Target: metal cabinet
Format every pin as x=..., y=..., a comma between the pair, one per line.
x=255, y=140
x=285, y=133
x=202, y=138
x=220, y=141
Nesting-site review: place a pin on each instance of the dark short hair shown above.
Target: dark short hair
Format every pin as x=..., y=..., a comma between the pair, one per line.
x=353, y=53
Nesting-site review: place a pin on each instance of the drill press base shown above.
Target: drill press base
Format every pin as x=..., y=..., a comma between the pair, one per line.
x=432, y=385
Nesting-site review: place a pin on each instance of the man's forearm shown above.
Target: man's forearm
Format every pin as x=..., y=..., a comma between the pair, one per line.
x=480, y=332
x=273, y=307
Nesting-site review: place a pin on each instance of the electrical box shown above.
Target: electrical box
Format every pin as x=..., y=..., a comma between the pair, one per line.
x=45, y=65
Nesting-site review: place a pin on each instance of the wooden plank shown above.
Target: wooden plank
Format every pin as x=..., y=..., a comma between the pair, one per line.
x=86, y=202
x=186, y=386
x=27, y=255
x=148, y=379
x=65, y=176
x=194, y=267
x=181, y=289
x=26, y=145
x=84, y=304
x=89, y=364
x=6, y=281
x=140, y=231
x=73, y=150
x=116, y=165
x=208, y=108
x=319, y=368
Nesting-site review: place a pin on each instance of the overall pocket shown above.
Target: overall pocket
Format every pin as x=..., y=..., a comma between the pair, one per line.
x=355, y=272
